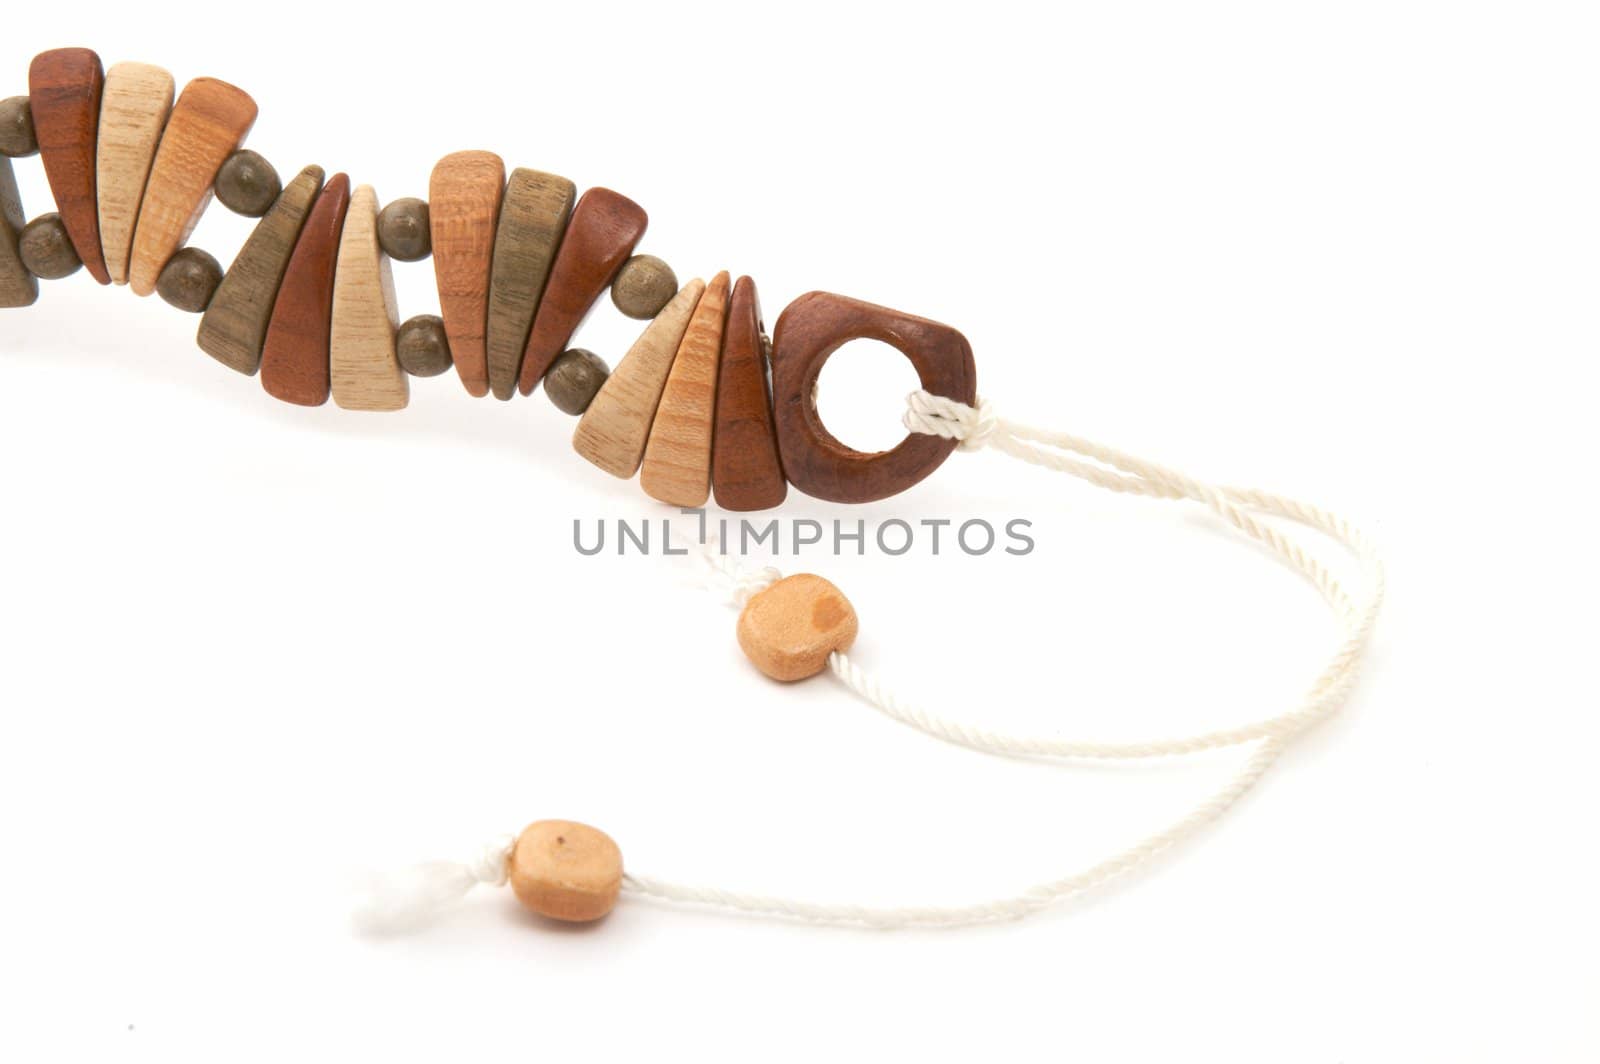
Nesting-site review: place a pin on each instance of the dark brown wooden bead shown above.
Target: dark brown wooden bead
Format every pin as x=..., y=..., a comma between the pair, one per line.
x=18, y=287
x=189, y=280
x=574, y=378
x=17, y=138
x=745, y=471
x=643, y=286
x=814, y=327
x=533, y=216
x=247, y=184
x=64, y=88
x=235, y=326
x=604, y=228
x=423, y=346
x=46, y=248
x=403, y=230
x=294, y=362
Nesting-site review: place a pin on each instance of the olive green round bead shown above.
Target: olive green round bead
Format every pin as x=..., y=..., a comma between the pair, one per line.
x=573, y=379
x=16, y=128
x=247, y=184
x=403, y=230
x=423, y=347
x=189, y=280
x=46, y=250
x=643, y=286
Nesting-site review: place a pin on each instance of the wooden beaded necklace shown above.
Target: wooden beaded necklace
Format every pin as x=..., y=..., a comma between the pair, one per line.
x=520, y=259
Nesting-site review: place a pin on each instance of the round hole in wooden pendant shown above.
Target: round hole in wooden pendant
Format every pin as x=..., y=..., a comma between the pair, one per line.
x=861, y=394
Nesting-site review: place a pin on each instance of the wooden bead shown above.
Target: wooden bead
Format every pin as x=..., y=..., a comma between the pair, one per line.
x=532, y=219
x=64, y=94
x=46, y=248
x=604, y=228
x=423, y=347
x=464, y=207
x=295, y=360
x=18, y=287
x=788, y=630
x=573, y=380
x=615, y=428
x=17, y=138
x=403, y=230
x=207, y=123
x=248, y=184
x=566, y=871
x=677, y=458
x=745, y=471
x=189, y=280
x=814, y=327
x=365, y=369
x=133, y=111
x=643, y=286
x=235, y=326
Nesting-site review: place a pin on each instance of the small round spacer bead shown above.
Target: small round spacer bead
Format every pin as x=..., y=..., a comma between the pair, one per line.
x=573, y=380
x=17, y=138
x=403, y=230
x=789, y=630
x=189, y=280
x=643, y=286
x=247, y=184
x=46, y=250
x=423, y=347
x=566, y=871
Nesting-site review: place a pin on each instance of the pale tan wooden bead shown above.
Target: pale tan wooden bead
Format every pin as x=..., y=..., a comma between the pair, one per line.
x=566, y=871
x=788, y=630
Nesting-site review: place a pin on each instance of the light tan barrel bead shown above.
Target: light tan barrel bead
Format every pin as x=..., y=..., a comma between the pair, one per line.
x=677, y=458
x=788, y=630
x=613, y=431
x=133, y=111
x=566, y=870
x=366, y=371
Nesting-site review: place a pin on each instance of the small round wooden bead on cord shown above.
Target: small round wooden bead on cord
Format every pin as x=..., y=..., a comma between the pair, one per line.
x=702, y=405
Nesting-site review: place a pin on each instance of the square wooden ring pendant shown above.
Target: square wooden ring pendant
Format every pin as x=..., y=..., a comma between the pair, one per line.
x=812, y=328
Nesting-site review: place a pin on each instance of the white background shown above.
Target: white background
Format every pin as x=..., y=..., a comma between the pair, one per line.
x=1347, y=251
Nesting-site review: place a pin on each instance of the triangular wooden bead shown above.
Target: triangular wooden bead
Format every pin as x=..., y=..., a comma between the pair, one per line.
x=613, y=431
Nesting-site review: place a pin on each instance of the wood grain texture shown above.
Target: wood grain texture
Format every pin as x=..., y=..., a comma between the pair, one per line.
x=746, y=473
x=234, y=328
x=677, y=458
x=18, y=287
x=788, y=630
x=464, y=197
x=295, y=365
x=604, y=228
x=64, y=87
x=365, y=369
x=532, y=219
x=814, y=327
x=210, y=120
x=133, y=111
x=615, y=428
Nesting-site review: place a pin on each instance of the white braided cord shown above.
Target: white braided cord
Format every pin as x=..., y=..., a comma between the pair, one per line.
x=977, y=427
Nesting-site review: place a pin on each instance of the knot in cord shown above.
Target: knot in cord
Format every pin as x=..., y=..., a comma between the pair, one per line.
x=489, y=866
x=936, y=415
